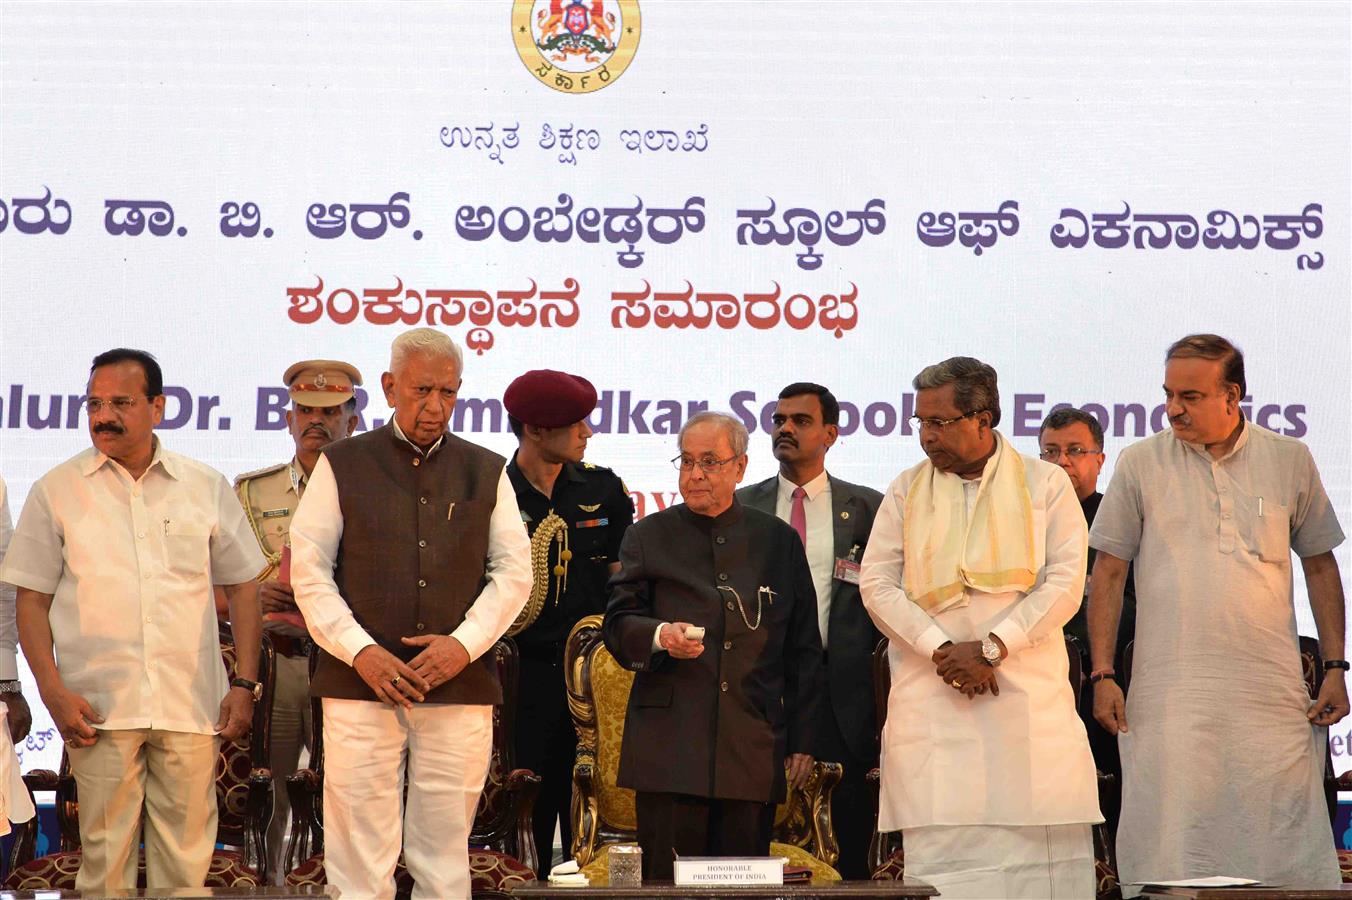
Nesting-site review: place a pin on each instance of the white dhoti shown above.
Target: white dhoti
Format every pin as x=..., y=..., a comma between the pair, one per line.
x=368, y=746
x=979, y=862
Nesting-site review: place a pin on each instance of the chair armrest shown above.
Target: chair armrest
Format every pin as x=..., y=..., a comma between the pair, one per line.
x=523, y=787
x=584, y=813
x=42, y=780
x=827, y=775
x=303, y=788
x=258, y=813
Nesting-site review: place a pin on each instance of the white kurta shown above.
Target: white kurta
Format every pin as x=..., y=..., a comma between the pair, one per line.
x=1021, y=758
x=1222, y=772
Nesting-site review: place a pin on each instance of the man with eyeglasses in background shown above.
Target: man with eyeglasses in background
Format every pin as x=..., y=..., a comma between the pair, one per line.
x=114, y=558
x=1073, y=439
x=714, y=609
x=975, y=563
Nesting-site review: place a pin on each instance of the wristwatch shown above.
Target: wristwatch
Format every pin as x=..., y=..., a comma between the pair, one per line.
x=990, y=651
x=253, y=687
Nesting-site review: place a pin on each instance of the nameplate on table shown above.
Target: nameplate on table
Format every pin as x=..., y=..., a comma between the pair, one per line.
x=692, y=870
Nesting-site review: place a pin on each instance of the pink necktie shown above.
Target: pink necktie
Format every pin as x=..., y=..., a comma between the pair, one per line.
x=798, y=515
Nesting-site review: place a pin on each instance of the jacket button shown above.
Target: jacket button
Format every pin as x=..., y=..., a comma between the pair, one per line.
x=723, y=687
x=417, y=460
x=422, y=500
x=722, y=576
x=421, y=626
x=422, y=543
x=727, y=645
x=720, y=540
x=729, y=605
x=422, y=583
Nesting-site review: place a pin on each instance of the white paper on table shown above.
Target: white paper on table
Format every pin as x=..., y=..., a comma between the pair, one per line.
x=1213, y=881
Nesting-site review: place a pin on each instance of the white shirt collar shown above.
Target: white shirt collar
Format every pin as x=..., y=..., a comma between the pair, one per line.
x=98, y=459
x=399, y=433
x=813, y=488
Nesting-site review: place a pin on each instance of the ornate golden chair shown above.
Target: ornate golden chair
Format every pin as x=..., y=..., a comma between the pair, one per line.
x=243, y=798
x=502, y=843
x=603, y=813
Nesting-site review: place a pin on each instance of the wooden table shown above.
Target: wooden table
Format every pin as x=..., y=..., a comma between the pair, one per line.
x=303, y=892
x=906, y=888
x=1252, y=892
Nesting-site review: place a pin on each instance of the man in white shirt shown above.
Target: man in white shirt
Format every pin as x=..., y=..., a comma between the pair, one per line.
x=1223, y=759
x=114, y=557
x=975, y=563
x=833, y=519
x=408, y=562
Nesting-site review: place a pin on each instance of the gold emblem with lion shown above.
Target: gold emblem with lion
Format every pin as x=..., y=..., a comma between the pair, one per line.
x=576, y=46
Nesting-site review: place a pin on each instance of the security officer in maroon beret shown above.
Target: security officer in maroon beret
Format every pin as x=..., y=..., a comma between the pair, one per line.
x=576, y=513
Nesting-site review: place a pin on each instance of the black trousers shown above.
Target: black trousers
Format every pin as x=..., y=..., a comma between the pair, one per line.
x=852, y=802
x=699, y=826
x=546, y=743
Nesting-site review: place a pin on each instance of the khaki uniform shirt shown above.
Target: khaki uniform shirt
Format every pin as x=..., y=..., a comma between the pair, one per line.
x=270, y=497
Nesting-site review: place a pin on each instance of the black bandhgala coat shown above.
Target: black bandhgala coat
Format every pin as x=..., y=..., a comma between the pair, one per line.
x=720, y=725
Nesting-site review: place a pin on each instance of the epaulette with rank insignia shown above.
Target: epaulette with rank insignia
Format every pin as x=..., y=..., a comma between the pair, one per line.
x=259, y=473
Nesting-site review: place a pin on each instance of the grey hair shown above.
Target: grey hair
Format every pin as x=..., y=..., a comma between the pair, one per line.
x=736, y=431
x=425, y=342
x=974, y=384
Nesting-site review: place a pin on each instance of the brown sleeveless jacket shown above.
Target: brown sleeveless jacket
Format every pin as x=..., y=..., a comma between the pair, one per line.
x=413, y=552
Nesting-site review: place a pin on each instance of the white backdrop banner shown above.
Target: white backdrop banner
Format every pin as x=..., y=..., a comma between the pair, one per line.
x=691, y=204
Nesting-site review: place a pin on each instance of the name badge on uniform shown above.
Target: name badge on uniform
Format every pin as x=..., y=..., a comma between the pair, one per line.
x=592, y=523
x=276, y=513
x=847, y=570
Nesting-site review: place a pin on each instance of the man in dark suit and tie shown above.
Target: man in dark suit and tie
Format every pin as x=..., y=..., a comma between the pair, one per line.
x=833, y=518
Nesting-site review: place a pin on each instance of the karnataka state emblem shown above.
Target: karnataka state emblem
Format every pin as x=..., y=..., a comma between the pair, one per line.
x=576, y=46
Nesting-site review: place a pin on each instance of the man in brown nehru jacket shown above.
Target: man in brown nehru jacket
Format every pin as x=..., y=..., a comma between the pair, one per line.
x=408, y=562
x=576, y=514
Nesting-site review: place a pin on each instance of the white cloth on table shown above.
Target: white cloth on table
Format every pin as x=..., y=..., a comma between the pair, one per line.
x=1222, y=772
x=1021, y=758
x=981, y=862
x=130, y=565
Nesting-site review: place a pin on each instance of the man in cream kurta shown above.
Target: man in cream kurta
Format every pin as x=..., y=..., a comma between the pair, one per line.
x=986, y=768
x=1222, y=750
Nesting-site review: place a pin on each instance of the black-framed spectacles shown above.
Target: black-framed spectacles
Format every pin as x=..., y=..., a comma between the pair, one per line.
x=1055, y=453
x=706, y=465
x=940, y=424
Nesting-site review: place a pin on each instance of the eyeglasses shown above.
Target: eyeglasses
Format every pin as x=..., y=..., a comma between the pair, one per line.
x=1053, y=454
x=118, y=405
x=707, y=465
x=941, y=424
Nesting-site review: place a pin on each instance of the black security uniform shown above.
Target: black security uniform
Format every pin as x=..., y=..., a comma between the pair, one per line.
x=596, y=506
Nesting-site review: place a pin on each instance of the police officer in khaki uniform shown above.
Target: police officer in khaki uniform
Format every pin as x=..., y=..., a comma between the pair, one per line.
x=576, y=513
x=323, y=410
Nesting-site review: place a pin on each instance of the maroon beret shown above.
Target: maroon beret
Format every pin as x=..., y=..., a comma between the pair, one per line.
x=549, y=399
